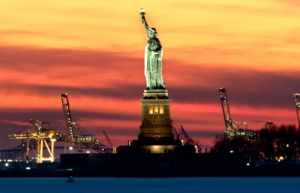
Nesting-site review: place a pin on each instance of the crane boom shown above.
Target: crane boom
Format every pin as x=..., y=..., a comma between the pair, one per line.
x=174, y=125
x=71, y=126
x=230, y=126
x=297, y=102
x=184, y=133
x=188, y=140
x=78, y=135
x=107, y=138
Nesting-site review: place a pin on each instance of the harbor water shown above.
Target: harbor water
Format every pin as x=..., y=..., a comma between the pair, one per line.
x=151, y=185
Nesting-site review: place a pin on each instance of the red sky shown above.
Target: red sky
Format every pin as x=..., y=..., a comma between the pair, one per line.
x=93, y=50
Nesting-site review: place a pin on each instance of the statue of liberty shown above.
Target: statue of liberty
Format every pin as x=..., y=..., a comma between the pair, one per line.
x=153, y=58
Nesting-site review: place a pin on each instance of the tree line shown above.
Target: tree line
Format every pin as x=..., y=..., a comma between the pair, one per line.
x=269, y=143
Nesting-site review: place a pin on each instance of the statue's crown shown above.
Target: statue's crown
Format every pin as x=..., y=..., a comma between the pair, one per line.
x=153, y=30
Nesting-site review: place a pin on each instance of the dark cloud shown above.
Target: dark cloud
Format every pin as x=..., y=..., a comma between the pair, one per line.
x=204, y=134
x=186, y=83
x=6, y=129
x=118, y=92
x=44, y=60
x=55, y=116
x=244, y=88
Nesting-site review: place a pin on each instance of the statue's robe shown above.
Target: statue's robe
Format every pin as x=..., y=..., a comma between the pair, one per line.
x=153, y=64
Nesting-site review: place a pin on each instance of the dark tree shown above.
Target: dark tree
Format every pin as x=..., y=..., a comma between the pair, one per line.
x=270, y=143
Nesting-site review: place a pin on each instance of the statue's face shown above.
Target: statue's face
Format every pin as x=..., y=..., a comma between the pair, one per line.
x=151, y=34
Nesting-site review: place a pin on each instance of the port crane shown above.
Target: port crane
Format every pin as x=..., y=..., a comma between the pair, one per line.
x=175, y=132
x=188, y=141
x=77, y=135
x=74, y=134
x=297, y=102
x=232, y=128
x=37, y=130
x=181, y=134
x=108, y=140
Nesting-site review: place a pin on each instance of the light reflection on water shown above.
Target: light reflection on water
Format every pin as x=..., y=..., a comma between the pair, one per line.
x=151, y=185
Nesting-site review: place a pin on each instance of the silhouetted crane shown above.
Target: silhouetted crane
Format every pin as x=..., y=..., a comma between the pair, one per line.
x=297, y=102
x=181, y=134
x=108, y=140
x=232, y=128
x=175, y=128
x=77, y=135
x=42, y=133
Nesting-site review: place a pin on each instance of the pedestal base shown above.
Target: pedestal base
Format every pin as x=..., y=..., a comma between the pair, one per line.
x=156, y=122
x=156, y=94
x=156, y=132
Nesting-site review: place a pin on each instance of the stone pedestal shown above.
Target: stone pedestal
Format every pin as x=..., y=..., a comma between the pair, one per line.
x=156, y=117
x=156, y=132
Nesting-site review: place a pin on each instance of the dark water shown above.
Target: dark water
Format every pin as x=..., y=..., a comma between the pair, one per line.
x=151, y=185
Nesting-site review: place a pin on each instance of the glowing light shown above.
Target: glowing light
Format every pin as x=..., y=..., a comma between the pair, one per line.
x=87, y=151
x=28, y=168
x=6, y=164
x=150, y=110
x=281, y=158
x=70, y=148
x=161, y=110
x=155, y=109
x=248, y=164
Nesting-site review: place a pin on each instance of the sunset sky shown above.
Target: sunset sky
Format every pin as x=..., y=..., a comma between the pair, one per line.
x=94, y=51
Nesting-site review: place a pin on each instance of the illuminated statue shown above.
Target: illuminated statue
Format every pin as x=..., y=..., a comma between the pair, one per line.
x=153, y=58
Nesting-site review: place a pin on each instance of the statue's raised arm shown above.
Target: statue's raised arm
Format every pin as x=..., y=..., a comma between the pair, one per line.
x=144, y=22
x=150, y=31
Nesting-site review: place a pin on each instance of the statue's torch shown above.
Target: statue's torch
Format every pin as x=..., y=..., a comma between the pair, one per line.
x=143, y=12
